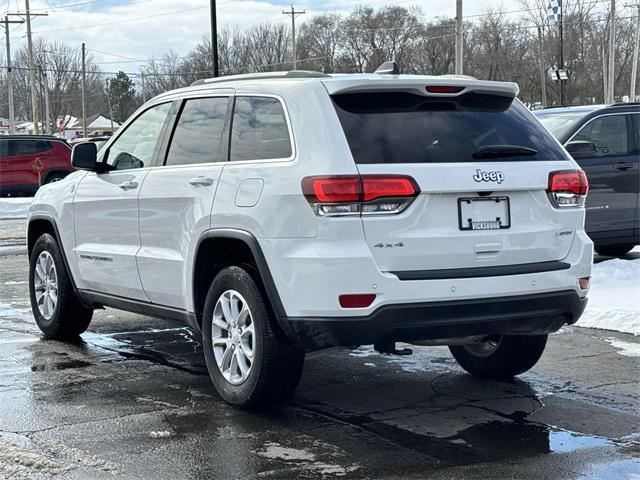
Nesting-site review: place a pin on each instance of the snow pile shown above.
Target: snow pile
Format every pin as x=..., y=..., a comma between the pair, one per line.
x=14, y=207
x=614, y=298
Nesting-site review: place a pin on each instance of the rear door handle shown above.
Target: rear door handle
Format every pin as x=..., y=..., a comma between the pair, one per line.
x=623, y=166
x=128, y=185
x=204, y=181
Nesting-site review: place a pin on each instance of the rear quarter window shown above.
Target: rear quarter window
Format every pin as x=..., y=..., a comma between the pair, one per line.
x=259, y=130
x=399, y=127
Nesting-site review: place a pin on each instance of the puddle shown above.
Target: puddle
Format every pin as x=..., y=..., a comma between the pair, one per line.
x=142, y=352
x=64, y=365
x=564, y=441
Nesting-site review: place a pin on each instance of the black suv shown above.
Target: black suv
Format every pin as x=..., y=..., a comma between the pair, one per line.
x=605, y=141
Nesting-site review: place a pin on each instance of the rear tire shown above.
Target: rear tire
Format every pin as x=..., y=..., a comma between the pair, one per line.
x=614, y=250
x=56, y=308
x=250, y=361
x=501, y=357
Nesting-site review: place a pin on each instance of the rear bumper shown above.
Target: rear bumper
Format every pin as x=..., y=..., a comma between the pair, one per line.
x=515, y=315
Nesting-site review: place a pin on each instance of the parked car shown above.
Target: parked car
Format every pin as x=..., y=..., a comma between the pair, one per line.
x=28, y=161
x=282, y=213
x=605, y=141
x=99, y=141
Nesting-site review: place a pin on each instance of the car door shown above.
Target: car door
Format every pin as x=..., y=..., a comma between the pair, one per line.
x=612, y=171
x=26, y=160
x=106, y=208
x=176, y=198
x=6, y=177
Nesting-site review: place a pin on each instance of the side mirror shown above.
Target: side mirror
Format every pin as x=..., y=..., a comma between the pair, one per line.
x=580, y=148
x=84, y=156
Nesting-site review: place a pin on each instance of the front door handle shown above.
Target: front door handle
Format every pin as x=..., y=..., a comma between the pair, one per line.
x=204, y=181
x=623, y=166
x=128, y=185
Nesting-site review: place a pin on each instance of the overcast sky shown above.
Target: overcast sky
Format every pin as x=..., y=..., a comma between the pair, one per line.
x=121, y=33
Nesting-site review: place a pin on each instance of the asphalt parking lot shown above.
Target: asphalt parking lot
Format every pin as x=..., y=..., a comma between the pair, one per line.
x=132, y=399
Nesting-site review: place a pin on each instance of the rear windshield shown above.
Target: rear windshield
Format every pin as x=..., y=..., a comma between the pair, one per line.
x=399, y=127
x=559, y=125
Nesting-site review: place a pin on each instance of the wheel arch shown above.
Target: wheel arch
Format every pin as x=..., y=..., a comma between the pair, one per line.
x=40, y=224
x=222, y=247
x=53, y=171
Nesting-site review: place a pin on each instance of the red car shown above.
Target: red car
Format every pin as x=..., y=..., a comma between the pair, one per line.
x=28, y=161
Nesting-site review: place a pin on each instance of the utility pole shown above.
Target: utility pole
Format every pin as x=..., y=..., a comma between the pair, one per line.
x=214, y=40
x=543, y=81
x=612, y=53
x=634, y=65
x=459, y=37
x=561, y=56
x=144, y=92
x=12, y=119
x=106, y=81
x=47, y=109
x=84, y=79
x=293, y=14
x=32, y=69
x=605, y=87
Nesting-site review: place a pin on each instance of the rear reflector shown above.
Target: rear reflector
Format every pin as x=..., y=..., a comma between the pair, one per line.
x=584, y=282
x=358, y=300
x=443, y=89
x=359, y=194
x=568, y=188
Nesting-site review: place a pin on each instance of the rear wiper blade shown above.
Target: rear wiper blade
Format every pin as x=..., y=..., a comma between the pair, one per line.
x=496, y=151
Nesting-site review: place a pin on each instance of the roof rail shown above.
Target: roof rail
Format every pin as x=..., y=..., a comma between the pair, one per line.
x=623, y=104
x=262, y=76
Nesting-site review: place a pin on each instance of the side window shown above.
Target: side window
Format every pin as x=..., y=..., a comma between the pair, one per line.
x=609, y=135
x=28, y=147
x=259, y=130
x=4, y=148
x=198, y=134
x=135, y=147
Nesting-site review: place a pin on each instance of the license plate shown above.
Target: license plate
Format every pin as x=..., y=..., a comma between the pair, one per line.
x=484, y=213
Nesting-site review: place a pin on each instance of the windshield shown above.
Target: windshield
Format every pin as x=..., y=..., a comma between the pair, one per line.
x=399, y=127
x=559, y=124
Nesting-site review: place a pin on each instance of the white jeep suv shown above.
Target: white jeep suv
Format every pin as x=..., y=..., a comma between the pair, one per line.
x=283, y=213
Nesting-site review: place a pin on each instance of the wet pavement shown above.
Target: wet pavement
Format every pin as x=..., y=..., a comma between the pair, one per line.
x=132, y=399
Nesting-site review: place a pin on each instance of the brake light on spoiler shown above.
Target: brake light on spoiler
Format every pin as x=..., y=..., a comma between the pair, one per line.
x=568, y=188
x=443, y=89
x=359, y=194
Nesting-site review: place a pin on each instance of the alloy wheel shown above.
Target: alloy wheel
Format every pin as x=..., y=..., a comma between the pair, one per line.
x=45, y=283
x=233, y=337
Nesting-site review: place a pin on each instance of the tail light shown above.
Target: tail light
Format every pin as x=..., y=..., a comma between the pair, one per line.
x=359, y=194
x=568, y=188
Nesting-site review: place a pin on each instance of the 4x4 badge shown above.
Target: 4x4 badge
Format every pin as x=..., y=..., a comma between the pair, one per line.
x=481, y=176
x=389, y=245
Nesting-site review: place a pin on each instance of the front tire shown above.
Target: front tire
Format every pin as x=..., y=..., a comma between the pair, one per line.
x=56, y=308
x=614, y=250
x=500, y=357
x=250, y=361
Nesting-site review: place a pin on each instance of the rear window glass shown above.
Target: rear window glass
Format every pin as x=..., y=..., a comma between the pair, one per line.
x=399, y=127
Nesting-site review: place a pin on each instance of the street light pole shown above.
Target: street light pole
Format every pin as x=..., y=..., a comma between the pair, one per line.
x=459, y=38
x=612, y=53
x=214, y=38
